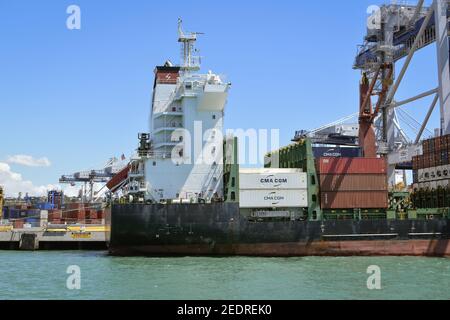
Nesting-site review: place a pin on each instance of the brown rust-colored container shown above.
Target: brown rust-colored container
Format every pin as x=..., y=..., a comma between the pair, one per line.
x=74, y=206
x=101, y=214
x=354, y=200
x=92, y=214
x=18, y=224
x=353, y=182
x=437, y=144
x=352, y=166
x=420, y=162
x=426, y=147
x=54, y=215
x=415, y=162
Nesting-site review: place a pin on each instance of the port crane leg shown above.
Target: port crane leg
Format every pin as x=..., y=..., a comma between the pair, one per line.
x=442, y=43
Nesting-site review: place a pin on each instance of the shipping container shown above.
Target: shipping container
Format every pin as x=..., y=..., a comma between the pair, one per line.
x=336, y=152
x=415, y=176
x=269, y=179
x=33, y=222
x=354, y=200
x=45, y=206
x=91, y=214
x=100, y=214
x=44, y=214
x=18, y=224
x=354, y=182
x=273, y=198
x=415, y=162
x=352, y=166
x=55, y=215
x=433, y=173
x=5, y=213
x=74, y=206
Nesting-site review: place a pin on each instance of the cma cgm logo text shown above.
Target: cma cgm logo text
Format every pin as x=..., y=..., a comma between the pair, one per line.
x=332, y=153
x=274, y=198
x=273, y=180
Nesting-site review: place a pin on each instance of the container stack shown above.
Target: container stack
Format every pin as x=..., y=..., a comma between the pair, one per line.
x=77, y=213
x=353, y=183
x=272, y=188
x=74, y=213
x=431, y=169
x=431, y=174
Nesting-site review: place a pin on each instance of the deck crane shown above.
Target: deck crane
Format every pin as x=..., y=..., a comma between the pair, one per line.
x=396, y=32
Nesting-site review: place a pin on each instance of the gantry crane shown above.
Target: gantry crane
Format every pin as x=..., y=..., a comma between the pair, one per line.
x=396, y=32
x=90, y=177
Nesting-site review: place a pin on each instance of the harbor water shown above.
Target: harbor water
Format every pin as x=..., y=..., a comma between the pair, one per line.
x=44, y=275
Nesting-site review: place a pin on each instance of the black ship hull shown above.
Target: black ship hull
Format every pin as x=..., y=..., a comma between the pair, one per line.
x=220, y=230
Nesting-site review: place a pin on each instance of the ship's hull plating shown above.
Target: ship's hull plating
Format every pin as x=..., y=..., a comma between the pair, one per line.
x=220, y=229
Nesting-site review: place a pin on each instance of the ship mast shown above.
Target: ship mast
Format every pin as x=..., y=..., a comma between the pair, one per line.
x=189, y=62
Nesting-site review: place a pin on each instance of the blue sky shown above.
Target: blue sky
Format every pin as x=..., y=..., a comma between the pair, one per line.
x=79, y=97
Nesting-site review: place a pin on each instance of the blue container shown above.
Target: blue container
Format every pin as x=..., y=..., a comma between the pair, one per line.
x=14, y=214
x=5, y=213
x=33, y=221
x=33, y=213
x=45, y=206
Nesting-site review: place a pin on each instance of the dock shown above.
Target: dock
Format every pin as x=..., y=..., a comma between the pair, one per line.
x=57, y=237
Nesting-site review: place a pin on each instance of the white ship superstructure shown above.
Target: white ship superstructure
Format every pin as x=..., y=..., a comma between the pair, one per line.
x=185, y=158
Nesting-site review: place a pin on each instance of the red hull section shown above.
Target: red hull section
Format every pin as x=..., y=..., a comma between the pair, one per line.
x=429, y=248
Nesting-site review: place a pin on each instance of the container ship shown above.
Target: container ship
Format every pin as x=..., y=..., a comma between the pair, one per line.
x=181, y=195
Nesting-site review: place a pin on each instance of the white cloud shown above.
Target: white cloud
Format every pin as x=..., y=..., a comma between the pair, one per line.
x=29, y=161
x=74, y=191
x=13, y=183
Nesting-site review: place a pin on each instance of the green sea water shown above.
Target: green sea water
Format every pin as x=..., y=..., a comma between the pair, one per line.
x=43, y=275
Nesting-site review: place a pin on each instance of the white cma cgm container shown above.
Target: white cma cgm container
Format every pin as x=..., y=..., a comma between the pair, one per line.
x=272, y=179
x=251, y=199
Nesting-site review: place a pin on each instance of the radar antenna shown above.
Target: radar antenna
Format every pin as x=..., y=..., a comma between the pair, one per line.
x=189, y=62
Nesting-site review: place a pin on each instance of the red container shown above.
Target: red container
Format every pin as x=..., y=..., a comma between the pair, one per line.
x=54, y=214
x=426, y=147
x=92, y=215
x=74, y=206
x=353, y=182
x=81, y=215
x=352, y=166
x=100, y=214
x=18, y=224
x=354, y=200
